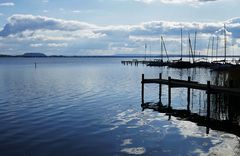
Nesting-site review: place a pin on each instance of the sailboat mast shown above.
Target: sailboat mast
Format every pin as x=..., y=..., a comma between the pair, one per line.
x=195, y=43
x=212, y=47
x=145, y=51
x=161, y=48
x=217, y=46
x=233, y=51
x=190, y=47
x=164, y=46
x=208, y=47
x=225, y=43
x=189, y=44
x=150, y=51
x=181, y=44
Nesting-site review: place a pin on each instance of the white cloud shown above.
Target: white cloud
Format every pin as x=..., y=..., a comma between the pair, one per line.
x=76, y=11
x=61, y=9
x=36, y=45
x=7, y=4
x=176, y=1
x=19, y=23
x=82, y=11
x=57, y=44
x=1, y=14
x=186, y=1
x=118, y=38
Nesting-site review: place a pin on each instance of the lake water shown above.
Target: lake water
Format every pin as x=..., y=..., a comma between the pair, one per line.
x=92, y=106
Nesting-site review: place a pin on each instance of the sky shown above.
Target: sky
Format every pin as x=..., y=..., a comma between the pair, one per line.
x=110, y=27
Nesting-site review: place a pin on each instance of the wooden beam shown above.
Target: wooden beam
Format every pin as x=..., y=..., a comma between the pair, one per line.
x=195, y=85
x=142, y=88
x=160, y=89
x=208, y=99
x=169, y=92
x=188, y=95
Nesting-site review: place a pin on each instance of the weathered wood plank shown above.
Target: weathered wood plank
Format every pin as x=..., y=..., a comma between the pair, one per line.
x=194, y=85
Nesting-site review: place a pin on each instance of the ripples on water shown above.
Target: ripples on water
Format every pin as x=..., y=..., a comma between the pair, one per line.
x=92, y=107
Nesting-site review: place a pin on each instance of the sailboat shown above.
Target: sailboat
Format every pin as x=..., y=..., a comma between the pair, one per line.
x=180, y=63
x=203, y=62
x=160, y=62
x=223, y=64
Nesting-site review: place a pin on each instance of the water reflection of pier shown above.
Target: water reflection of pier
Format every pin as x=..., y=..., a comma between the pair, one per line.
x=221, y=111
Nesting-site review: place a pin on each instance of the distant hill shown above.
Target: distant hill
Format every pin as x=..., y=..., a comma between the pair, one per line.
x=34, y=55
x=3, y=55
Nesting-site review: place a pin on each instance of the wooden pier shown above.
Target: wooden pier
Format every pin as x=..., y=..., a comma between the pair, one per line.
x=135, y=62
x=179, y=64
x=224, y=125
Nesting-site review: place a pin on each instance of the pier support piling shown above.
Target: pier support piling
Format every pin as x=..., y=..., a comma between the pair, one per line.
x=208, y=105
x=160, y=89
x=230, y=102
x=142, y=89
x=169, y=92
x=188, y=95
x=208, y=100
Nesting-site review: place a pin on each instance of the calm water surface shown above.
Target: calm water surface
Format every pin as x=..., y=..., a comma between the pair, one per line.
x=91, y=106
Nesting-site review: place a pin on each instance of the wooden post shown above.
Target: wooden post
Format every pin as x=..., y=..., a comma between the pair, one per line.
x=142, y=88
x=208, y=99
x=230, y=83
x=230, y=101
x=169, y=92
x=160, y=89
x=188, y=95
x=208, y=106
x=207, y=130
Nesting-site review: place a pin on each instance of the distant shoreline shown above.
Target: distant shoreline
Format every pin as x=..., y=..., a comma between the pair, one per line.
x=116, y=56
